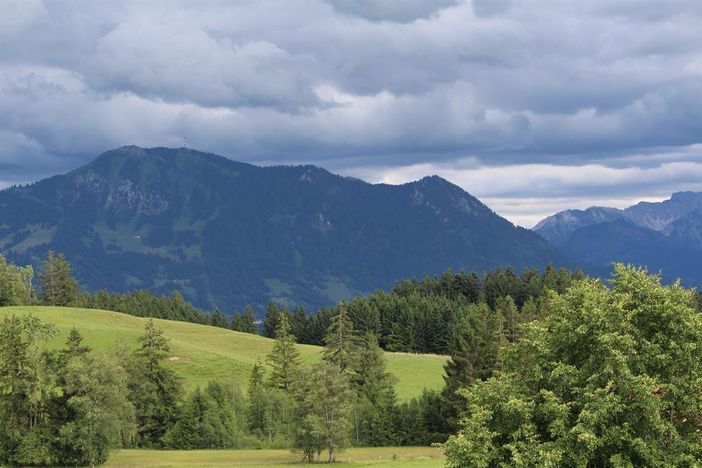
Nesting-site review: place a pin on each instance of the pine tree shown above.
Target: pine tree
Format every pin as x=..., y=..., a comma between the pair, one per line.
x=284, y=359
x=376, y=402
x=507, y=308
x=74, y=346
x=298, y=324
x=340, y=340
x=218, y=319
x=272, y=318
x=154, y=389
x=58, y=287
x=248, y=321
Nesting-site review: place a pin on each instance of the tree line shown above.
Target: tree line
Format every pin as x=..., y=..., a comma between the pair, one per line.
x=545, y=368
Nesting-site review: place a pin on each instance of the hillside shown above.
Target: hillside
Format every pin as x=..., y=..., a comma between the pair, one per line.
x=229, y=234
x=201, y=353
x=664, y=236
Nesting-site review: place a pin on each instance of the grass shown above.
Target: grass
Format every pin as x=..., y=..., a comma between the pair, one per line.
x=200, y=353
x=396, y=457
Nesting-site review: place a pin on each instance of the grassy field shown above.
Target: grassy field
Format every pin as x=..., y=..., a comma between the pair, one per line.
x=396, y=457
x=201, y=353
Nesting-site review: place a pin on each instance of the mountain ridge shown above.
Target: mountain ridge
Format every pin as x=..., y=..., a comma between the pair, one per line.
x=663, y=236
x=227, y=234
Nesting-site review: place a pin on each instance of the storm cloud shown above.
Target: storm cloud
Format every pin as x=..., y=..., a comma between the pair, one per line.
x=531, y=105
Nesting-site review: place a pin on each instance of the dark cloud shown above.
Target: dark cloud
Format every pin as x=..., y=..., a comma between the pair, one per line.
x=358, y=86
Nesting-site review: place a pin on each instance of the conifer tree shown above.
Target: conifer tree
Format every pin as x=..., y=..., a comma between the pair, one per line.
x=58, y=287
x=376, y=402
x=272, y=318
x=256, y=414
x=506, y=307
x=154, y=389
x=248, y=321
x=284, y=359
x=340, y=340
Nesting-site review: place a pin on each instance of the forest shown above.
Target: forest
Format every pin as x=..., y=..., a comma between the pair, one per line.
x=546, y=368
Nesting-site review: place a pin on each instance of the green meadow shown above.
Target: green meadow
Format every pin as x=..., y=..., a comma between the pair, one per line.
x=395, y=457
x=200, y=353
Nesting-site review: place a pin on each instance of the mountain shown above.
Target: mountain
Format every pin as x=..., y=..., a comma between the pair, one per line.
x=228, y=234
x=664, y=236
x=558, y=228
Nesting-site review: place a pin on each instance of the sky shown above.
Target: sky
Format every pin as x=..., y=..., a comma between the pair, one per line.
x=533, y=106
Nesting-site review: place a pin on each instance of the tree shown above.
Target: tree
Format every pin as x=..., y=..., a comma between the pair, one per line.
x=374, y=411
x=245, y=322
x=340, y=340
x=74, y=345
x=211, y=419
x=154, y=389
x=506, y=307
x=96, y=413
x=58, y=287
x=15, y=284
x=257, y=411
x=272, y=318
x=27, y=385
x=610, y=377
x=284, y=359
x=218, y=319
x=475, y=340
x=322, y=418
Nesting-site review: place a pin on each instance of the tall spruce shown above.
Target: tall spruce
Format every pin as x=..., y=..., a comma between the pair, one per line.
x=340, y=340
x=58, y=287
x=154, y=389
x=284, y=359
x=375, y=408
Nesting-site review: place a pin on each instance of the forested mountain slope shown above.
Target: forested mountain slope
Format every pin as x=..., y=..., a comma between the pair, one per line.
x=228, y=234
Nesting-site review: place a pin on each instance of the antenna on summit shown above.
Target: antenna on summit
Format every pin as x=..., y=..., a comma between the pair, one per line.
x=185, y=141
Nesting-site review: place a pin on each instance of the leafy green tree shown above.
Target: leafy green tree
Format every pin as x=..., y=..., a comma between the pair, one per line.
x=58, y=287
x=27, y=384
x=323, y=413
x=97, y=413
x=257, y=414
x=284, y=358
x=154, y=389
x=270, y=410
x=15, y=284
x=610, y=377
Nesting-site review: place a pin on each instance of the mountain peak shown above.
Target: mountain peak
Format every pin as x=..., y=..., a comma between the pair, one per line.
x=229, y=234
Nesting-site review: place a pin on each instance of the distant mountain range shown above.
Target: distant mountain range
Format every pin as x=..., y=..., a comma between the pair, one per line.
x=663, y=236
x=229, y=234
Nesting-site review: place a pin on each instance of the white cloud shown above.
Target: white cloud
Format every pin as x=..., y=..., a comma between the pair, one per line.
x=527, y=193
